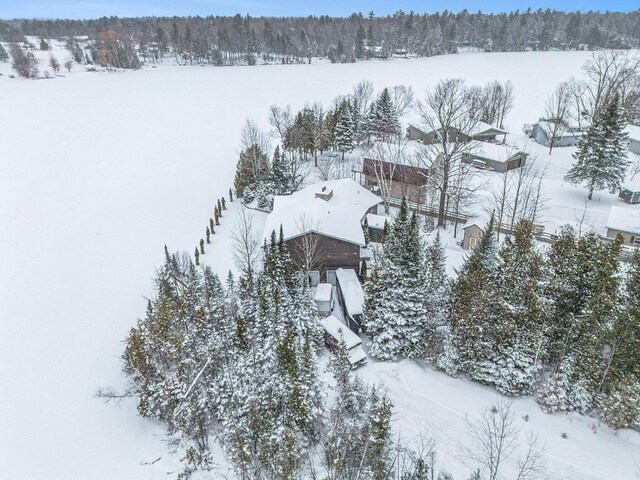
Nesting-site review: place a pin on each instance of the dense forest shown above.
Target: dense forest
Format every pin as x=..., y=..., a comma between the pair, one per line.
x=244, y=39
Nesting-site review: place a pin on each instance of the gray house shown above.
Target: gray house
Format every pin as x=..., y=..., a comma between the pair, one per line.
x=567, y=135
x=634, y=139
x=494, y=157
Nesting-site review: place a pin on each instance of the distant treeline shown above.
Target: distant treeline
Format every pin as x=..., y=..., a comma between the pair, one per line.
x=217, y=39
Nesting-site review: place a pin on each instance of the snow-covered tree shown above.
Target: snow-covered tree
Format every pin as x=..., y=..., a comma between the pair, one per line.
x=395, y=318
x=344, y=132
x=382, y=120
x=601, y=159
x=469, y=340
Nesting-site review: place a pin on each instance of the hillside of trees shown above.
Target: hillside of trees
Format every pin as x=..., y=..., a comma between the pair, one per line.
x=244, y=39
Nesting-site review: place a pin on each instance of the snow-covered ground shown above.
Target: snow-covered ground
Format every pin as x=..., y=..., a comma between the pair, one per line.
x=98, y=171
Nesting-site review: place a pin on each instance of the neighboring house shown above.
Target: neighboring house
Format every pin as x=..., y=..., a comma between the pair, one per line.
x=630, y=191
x=322, y=226
x=499, y=158
x=400, y=180
x=482, y=132
x=634, y=139
x=567, y=136
x=624, y=221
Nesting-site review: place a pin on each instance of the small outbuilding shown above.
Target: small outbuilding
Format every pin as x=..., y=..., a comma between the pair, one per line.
x=336, y=332
x=471, y=236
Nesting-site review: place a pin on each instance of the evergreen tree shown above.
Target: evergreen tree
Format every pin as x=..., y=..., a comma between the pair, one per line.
x=201, y=246
x=253, y=169
x=4, y=55
x=382, y=121
x=197, y=255
x=469, y=340
x=602, y=152
x=208, y=233
x=344, y=131
x=521, y=314
x=395, y=317
x=230, y=195
x=219, y=207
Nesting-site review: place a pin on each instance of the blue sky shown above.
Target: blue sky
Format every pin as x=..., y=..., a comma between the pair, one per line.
x=98, y=8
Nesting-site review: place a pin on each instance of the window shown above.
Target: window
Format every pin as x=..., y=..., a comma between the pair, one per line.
x=314, y=278
x=635, y=240
x=473, y=243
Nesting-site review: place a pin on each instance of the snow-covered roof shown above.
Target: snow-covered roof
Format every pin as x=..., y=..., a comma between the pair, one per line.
x=377, y=221
x=351, y=290
x=495, y=151
x=334, y=208
x=483, y=127
x=632, y=183
x=634, y=132
x=569, y=131
x=323, y=292
x=624, y=219
x=340, y=331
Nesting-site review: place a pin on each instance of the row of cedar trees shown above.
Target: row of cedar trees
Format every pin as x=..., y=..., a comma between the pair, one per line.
x=210, y=230
x=563, y=325
x=237, y=359
x=307, y=133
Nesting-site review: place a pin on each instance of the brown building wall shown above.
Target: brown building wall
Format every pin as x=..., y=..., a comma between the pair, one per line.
x=414, y=193
x=329, y=253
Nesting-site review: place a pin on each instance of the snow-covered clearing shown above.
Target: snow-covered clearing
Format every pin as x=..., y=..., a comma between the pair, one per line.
x=98, y=171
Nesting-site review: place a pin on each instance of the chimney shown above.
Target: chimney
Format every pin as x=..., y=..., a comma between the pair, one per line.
x=325, y=196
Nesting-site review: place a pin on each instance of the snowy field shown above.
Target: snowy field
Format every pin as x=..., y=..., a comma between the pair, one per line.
x=99, y=171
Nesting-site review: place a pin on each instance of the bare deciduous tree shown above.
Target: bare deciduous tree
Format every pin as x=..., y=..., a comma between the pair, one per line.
x=307, y=247
x=557, y=113
x=246, y=245
x=518, y=196
x=495, y=439
x=280, y=119
x=447, y=112
x=68, y=64
x=24, y=63
x=251, y=135
x=403, y=99
x=386, y=158
x=54, y=63
x=607, y=73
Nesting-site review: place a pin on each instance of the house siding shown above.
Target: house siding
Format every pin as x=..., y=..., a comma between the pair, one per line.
x=627, y=236
x=331, y=253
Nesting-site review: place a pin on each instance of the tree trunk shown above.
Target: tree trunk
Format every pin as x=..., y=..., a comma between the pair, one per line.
x=590, y=193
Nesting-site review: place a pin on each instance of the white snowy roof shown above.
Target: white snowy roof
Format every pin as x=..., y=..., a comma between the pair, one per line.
x=338, y=214
x=494, y=151
x=483, y=127
x=323, y=292
x=634, y=132
x=632, y=183
x=624, y=219
x=377, y=221
x=351, y=290
x=340, y=331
